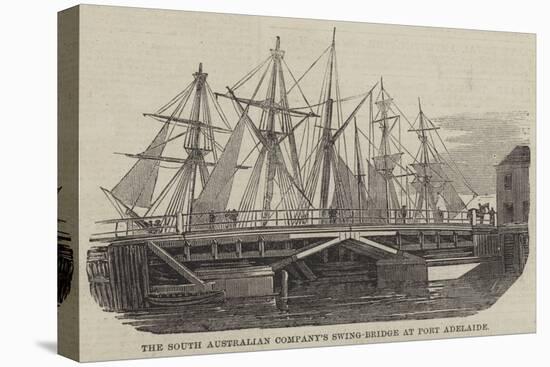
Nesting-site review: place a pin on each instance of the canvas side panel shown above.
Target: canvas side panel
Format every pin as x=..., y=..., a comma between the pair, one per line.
x=67, y=177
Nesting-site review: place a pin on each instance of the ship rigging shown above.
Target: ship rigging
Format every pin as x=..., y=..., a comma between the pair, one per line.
x=298, y=168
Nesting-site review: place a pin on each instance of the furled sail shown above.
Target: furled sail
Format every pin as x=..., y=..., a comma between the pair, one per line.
x=386, y=163
x=453, y=202
x=437, y=178
x=137, y=186
x=439, y=185
x=215, y=194
x=423, y=190
x=381, y=183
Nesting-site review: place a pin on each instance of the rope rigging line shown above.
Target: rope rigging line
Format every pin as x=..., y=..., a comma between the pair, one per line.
x=308, y=69
x=218, y=107
x=316, y=136
x=169, y=140
x=174, y=99
x=456, y=169
x=250, y=74
x=452, y=160
x=298, y=85
x=164, y=191
x=183, y=98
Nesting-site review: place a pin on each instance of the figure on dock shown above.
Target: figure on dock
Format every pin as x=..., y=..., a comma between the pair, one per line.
x=212, y=218
x=471, y=216
x=492, y=214
x=332, y=215
x=232, y=216
x=438, y=215
x=404, y=214
x=481, y=212
x=158, y=226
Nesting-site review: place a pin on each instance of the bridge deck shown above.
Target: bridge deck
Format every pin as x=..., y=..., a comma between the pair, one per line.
x=286, y=232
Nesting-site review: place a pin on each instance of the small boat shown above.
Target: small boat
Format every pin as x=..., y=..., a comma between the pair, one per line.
x=183, y=299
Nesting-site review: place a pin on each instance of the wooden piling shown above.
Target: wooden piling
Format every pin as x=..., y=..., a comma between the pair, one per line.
x=261, y=246
x=455, y=239
x=398, y=239
x=128, y=276
x=239, y=248
x=187, y=251
x=421, y=239
x=284, y=284
x=179, y=222
x=214, y=249
x=97, y=268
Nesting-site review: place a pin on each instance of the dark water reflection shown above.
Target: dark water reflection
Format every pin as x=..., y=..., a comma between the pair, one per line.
x=331, y=301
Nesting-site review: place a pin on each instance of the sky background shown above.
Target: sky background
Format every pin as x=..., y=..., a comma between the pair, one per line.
x=477, y=85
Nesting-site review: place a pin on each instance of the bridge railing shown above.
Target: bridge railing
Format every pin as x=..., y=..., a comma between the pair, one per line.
x=254, y=219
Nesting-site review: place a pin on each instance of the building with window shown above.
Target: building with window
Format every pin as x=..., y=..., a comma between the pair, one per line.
x=513, y=186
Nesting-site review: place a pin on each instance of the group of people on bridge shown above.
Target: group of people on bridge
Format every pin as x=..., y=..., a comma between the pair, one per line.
x=231, y=217
x=480, y=213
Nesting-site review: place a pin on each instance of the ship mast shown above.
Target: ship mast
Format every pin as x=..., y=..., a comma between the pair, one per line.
x=178, y=196
x=274, y=125
x=359, y=170
x=384, y=143
x=327, y=133
x=327, y=163
x=431, y=180
x=424, y=159
x=192, y=143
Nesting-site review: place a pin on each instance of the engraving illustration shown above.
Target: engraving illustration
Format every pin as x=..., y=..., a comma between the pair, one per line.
x=282, y=201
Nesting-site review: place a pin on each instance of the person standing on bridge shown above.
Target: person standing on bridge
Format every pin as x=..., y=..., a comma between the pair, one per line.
x=404, y=214
x=492, y=214
x=438, y=215
x=212, y=219
x=234, y=215
x=481, y=213
x=332, y=215
x=158, y=226
x=470, y=215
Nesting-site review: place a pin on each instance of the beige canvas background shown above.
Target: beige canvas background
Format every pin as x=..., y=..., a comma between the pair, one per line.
x=134, y=60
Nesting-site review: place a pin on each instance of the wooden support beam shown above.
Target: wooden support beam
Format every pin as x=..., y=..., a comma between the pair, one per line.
x=186, y=251
x=398, y=239
x=305, y=270
x=294, y=272
x=304, y=252
x=284, y=284
x=288, y=245
x=239, y=248
x=421, y=239
x=214, y=249
x=455, y=238
x=261, y=246
x=438, y=239
x=176, y=265
x=179, y=222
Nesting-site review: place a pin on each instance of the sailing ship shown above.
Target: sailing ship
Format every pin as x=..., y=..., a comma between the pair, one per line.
x=300, y=162
x=316, y=174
